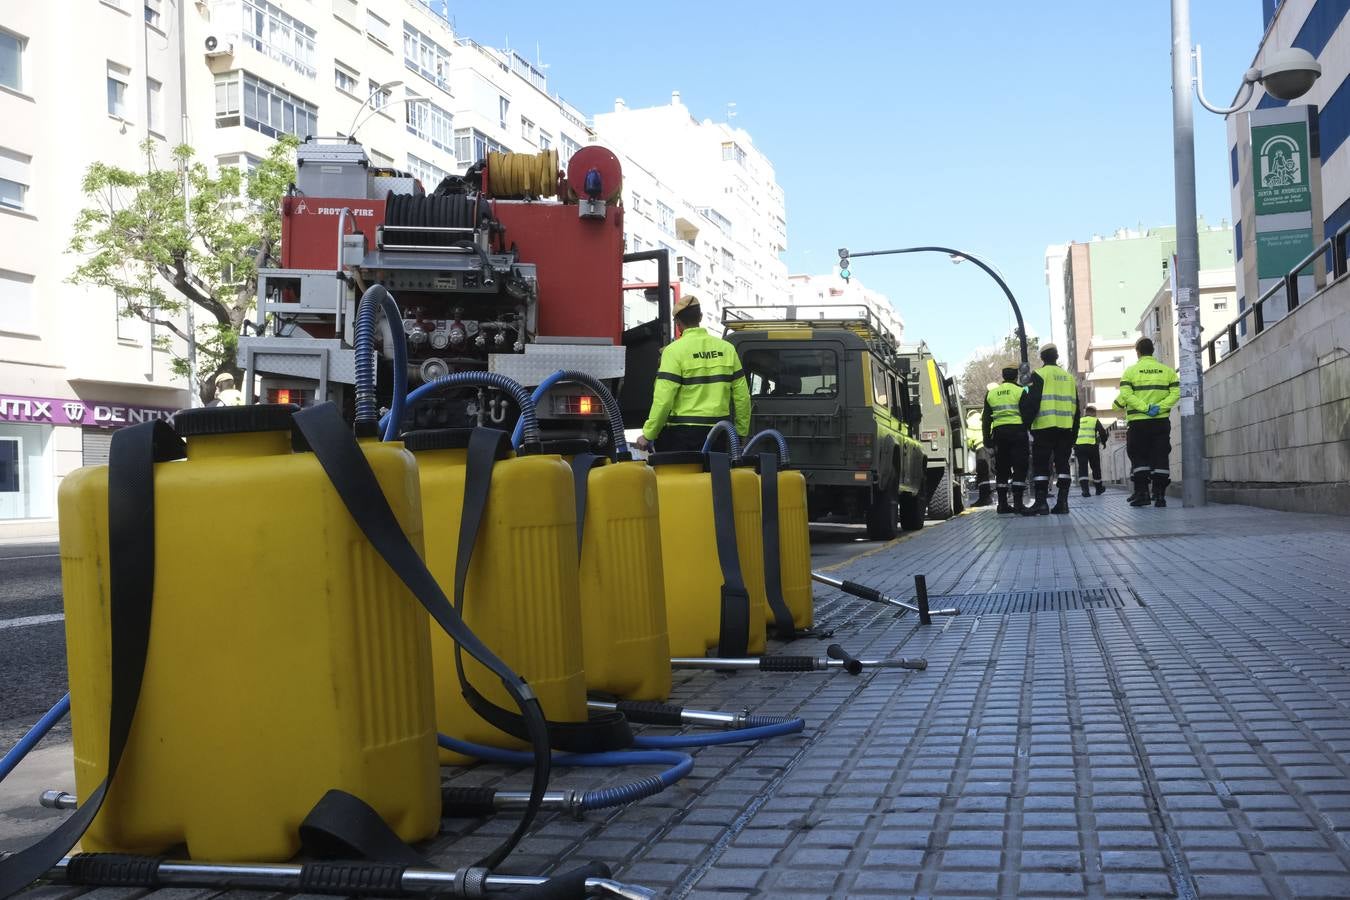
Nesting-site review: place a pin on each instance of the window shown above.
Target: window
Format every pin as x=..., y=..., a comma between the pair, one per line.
x=266, y=108
x=503, y=110
x=566, y=150
x=545, y=140
x=431, y=123
x=732, y=152
x=789, y=372
x=152, y=12
x=430, y=175
x=637, y=202
x=245, y=163
x=425, y=56
x=665, y=217
x=472, y=145
x=344, y=78
x=716, y=218
x=377, y=29
x=379, y=96
x=16, y=302
x=527, y=129
x=131, y=328
x=118, y=76
x=14, y=180
x=1220, y=302
x=688, y=271
x=11, y=60
x=154, y=105
x=282, y=37
x=879, y=386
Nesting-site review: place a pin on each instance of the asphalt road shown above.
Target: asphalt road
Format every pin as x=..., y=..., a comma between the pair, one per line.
x=32, y=642
x=33, y=645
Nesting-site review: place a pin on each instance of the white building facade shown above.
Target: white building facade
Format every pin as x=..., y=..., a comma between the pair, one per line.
x=808, y=291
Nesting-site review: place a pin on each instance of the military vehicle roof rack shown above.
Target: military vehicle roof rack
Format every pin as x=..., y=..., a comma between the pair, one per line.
x=858, y=318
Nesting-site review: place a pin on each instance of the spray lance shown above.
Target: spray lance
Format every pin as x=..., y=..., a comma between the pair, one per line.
x=836, y=658
x=876, y=596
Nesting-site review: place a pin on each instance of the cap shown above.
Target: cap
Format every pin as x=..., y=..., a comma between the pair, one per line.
x=1049, y=348
x=224, y=376
x=1009, y=372
x=684, y=303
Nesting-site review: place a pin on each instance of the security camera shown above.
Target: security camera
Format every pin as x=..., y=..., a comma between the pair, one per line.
x=1290, y=73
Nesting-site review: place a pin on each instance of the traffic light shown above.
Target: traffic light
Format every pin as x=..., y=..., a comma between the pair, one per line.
x=844, y=272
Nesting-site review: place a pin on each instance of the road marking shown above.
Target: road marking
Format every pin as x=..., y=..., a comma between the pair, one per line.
x=31, y=620
x=37, y=556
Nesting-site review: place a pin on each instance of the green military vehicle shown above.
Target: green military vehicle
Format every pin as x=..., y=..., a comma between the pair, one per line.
x=941, y=430
x=828, y=377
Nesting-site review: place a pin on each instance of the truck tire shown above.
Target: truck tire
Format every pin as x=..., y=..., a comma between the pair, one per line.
x=940, y=504
x=882, y=515
x=912, y=511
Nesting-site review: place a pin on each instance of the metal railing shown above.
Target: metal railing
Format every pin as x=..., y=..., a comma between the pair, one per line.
x=1336, y=245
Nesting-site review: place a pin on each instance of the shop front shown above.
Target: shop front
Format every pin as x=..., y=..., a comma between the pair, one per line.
x=43, y=438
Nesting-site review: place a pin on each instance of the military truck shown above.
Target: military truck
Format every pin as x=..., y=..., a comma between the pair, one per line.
x=829, y=378
x=941, y=430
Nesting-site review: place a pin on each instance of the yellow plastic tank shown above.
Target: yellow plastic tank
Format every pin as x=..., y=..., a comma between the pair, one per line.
x=794, y=547
x=285, y=658
x=521, y=594
x=623, y=602
x=692, y=574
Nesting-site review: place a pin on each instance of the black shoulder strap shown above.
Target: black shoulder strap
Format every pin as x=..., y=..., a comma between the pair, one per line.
x=582, y=464
x=346, y=467
x=131, y=583
x=600, y=732
x=734, y=633
x=783, y=628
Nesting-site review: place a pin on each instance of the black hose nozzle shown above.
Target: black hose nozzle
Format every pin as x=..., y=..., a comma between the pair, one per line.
x=852, y=665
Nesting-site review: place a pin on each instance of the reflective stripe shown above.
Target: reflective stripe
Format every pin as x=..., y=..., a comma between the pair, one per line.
x=699, y=379
x=1083, y=478
x=1137, y=469
x=694, y=420
x=1162, y=471
x=1018, y=484
x=1156, y=387
x=1001, y=408
x=1056, y=397
x=1041, y=478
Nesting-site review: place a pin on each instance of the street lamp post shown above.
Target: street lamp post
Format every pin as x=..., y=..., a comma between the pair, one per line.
x=1288, y=74
x=1024, y=370
x=379, y=89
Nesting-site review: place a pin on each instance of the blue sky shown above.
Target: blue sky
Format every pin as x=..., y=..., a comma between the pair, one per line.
x=991, y=126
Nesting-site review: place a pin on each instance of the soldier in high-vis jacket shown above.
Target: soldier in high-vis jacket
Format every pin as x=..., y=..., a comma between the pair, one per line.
x=1087, y=450
x=699, y=379
x=1148, y=391
x=1051, y=406
x=1002, y=421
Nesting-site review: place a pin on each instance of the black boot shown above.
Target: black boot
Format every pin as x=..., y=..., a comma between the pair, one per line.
x=1101, y=488
x=1017, y=506
x=1003, y=506
x=1140, y=496
x=1160, y=483
x=983, y=498
x=1062, y=500
x=1084, y=483
x=1040, y=507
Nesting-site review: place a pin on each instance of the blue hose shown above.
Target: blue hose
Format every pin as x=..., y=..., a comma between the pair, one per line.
x=681, y=764
x=35, y=734
x=611, y=406
x=377, y=298
x=733, y=440
x=769, y=434
x=735, y=736
x=528, y=420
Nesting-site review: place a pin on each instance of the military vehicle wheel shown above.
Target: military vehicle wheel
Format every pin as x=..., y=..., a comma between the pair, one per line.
x=881, y=516
x=911, y=512
x=940, y=504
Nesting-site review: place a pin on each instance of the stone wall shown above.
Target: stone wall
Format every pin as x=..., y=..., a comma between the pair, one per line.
x=1277, y=412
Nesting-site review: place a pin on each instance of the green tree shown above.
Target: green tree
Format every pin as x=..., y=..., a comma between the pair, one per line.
x=987, y=367
x=138, y=238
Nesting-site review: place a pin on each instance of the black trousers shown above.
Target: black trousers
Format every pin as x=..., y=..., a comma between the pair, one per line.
x=1148, y=443
x=1052, y=445
x=682, y=437
x=984, y=478
x=1010, y=455
x=1089, y=457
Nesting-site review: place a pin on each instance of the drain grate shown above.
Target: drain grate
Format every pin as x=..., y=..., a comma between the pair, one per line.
x=1145, y=537
x=1009, y=602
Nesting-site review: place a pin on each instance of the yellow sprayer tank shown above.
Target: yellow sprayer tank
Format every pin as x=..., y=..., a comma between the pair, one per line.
x=693, y=576
x=794, y=541
x=623, y=600
x=285, y=658
x=521, y=593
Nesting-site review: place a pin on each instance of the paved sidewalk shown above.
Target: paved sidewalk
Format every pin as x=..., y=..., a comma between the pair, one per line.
x=1173, y=720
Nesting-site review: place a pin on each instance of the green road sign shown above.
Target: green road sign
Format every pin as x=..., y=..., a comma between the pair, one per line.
x=1281, y=177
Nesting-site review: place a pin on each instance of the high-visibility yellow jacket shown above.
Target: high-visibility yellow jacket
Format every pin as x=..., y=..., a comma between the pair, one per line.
x=1148, y=383
x=1052, y=399
x=699, y=378
x=1001, y=406
x=974, y=431
x=1090, y=432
